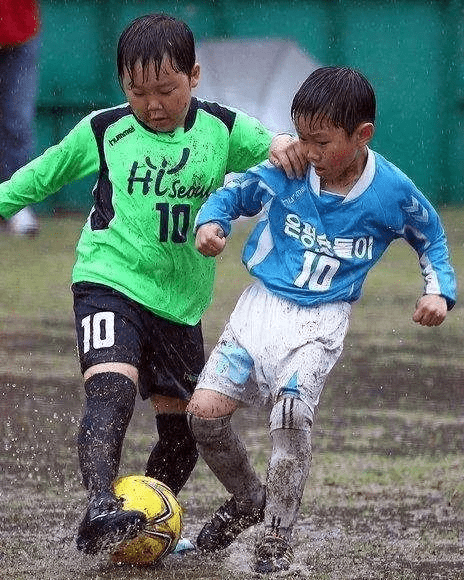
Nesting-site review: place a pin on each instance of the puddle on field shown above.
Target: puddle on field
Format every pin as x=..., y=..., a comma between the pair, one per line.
x=368, y=410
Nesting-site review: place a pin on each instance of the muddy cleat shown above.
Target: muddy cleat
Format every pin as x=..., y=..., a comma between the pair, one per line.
x=105, y=525
x=226, y=524
x=273, y=554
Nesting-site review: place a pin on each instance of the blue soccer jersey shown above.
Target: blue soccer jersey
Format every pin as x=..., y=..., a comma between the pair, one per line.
x=312, y=246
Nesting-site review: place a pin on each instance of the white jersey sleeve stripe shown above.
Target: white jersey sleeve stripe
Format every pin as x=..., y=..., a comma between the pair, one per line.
x=432, y=285
x=263, y=248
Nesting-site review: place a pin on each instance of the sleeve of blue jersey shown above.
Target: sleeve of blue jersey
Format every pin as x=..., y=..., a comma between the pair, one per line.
x=241, y=197
x=424, y=231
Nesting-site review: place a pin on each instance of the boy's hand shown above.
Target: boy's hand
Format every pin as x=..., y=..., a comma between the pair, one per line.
x=430, y=310
x=210, y=240
x=285, y=153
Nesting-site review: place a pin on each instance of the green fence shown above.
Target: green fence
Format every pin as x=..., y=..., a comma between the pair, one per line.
x=412, y=51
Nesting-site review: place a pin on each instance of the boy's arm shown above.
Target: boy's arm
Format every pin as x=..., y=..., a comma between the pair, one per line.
x=241, y=197
x=251, y=143
x=425, y=233
x=74, y=157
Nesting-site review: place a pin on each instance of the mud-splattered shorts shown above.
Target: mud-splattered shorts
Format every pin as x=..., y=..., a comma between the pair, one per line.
x=273, y=348
x=112, y=328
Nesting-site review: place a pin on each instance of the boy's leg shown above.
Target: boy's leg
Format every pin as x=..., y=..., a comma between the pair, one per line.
x=175, y=454
x=299, y=378
x=226, y=456
x=110, y=398
x=107, y=332
x=286, y=477
x=226, y=382
x=177, y=357
x=289, y=464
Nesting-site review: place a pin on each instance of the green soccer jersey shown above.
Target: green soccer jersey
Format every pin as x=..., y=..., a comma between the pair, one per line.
x=138, y=238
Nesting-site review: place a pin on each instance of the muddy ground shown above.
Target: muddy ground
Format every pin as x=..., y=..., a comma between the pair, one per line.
x=384, y=499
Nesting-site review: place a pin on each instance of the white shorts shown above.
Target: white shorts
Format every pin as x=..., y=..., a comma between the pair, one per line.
x=273, y=348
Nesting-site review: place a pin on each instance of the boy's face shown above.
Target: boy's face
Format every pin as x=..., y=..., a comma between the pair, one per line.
x=334, y=154
x=160, y=102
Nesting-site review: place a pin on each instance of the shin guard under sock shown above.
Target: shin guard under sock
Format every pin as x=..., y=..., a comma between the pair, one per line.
x=226, y=456
x=109, y=406
x=287, y=474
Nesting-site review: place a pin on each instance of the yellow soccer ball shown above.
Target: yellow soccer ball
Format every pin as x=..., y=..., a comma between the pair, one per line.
x=164, y=515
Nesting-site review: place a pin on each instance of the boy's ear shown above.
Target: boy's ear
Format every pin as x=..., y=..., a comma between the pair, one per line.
x=365, y=132
x=195, y=76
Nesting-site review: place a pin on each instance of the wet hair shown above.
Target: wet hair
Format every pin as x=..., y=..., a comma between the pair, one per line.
x=148, y=39
x=341, y=95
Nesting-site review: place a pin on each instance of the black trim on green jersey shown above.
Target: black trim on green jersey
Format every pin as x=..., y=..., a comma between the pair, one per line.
x=225, y=115
x=103, y=211
x=139, y=237
x=222, y=113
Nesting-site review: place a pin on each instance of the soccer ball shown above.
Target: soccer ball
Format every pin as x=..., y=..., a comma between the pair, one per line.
x=164, y=515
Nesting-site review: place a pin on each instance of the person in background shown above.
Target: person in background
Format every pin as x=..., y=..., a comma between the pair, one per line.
x=310, y=252
x=19, y=28
x=140, y=287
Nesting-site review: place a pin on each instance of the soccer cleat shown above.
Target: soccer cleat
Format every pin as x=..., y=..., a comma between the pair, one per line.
x=273, y=554
x=105, y=525
x=226, y=524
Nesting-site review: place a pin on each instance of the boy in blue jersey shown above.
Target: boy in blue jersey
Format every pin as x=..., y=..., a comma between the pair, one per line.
x=310, y=252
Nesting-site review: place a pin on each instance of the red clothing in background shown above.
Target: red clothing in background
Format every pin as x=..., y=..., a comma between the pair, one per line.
x=19, y=21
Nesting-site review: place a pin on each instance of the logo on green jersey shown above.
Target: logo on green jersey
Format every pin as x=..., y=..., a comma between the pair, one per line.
x=119, y=136
x=154, y=179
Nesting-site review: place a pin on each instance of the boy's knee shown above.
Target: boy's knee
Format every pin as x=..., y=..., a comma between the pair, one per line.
x=111, y=387
x=290, y=413
x=210, y=404
x=209, y=431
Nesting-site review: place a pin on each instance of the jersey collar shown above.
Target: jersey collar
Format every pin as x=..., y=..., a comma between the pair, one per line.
x=191, y=114
x=358, y=188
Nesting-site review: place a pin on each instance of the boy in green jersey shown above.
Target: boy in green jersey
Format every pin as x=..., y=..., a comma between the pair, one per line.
x=140, y=287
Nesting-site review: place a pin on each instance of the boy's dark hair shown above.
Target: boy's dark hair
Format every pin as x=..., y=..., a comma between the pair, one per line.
x=152, y=37
x=341, y=95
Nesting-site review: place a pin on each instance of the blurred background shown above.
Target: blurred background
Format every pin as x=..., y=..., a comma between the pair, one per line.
x=254, y=55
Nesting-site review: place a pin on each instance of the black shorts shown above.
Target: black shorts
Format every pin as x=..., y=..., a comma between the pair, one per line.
x=113, y=328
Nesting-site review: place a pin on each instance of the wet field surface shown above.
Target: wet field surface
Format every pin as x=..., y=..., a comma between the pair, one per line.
x=384, y=499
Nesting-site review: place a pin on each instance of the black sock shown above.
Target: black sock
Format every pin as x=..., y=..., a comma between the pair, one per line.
x=175, y=455
x=109, y=407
